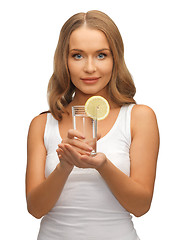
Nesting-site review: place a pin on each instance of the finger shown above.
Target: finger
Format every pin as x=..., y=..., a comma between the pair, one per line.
x=78, y=144
x=59, y=150
x=89, y=160
x=73, y=155
x=82, y=152
x=75, y=133
x=60, y=154
x=65, y=155
x=79, y=150
x=76, y=157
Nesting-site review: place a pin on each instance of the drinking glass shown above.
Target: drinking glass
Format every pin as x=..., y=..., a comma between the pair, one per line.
x=86, y=125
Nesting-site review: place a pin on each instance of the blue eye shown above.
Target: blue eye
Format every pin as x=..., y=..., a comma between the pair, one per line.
x=77, y=56
x=102, y=56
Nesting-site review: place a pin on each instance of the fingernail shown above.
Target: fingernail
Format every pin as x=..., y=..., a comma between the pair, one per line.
x=88, y=153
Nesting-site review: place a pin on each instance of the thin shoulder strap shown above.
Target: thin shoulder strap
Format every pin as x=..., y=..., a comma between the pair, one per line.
x=51, y=129
x=126, y=121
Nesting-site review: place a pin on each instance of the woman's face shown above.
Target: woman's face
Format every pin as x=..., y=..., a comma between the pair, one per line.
x=90, y=60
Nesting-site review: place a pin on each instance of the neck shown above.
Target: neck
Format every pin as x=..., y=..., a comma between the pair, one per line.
x=80, y=98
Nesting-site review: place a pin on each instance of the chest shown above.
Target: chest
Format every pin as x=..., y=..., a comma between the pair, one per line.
x=114, y=142
x=103, y=126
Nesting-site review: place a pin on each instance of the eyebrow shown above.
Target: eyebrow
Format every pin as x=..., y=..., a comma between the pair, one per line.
x=100, y=50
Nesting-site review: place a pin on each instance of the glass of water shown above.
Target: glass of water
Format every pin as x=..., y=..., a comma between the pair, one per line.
x=86, y=125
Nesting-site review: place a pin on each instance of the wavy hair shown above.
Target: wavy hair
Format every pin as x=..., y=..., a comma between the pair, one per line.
x=121, y=87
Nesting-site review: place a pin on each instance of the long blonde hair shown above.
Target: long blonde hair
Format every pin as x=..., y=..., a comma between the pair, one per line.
x=60, y=88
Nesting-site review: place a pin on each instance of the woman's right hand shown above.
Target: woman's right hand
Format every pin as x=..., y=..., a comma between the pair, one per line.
x=76, y=140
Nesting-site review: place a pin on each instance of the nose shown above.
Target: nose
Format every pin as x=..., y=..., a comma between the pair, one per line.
x=90, y=66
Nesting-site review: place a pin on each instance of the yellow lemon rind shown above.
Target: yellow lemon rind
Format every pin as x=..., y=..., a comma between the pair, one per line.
x=100, y=103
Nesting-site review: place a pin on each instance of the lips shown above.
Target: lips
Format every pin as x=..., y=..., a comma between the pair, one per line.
x=90, y=80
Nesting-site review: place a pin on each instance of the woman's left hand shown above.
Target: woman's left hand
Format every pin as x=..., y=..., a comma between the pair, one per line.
x=68, y=153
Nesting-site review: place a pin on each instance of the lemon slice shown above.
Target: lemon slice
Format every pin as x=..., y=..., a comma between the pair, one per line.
x=97, y=107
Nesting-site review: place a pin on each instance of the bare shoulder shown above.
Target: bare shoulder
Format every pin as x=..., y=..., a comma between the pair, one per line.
x=40, y=119
x=38, y=124
x=141, y=111
x=143, y=117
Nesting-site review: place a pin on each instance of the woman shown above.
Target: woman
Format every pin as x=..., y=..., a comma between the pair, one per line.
x=81, y=196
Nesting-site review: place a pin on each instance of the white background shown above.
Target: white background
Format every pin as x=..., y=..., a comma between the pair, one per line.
x=153, y=39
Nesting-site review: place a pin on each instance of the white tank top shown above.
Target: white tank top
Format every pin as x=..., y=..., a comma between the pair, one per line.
x=86, y=208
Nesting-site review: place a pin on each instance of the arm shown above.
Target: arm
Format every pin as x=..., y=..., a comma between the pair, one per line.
x=135, y=192
x=42, y=193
